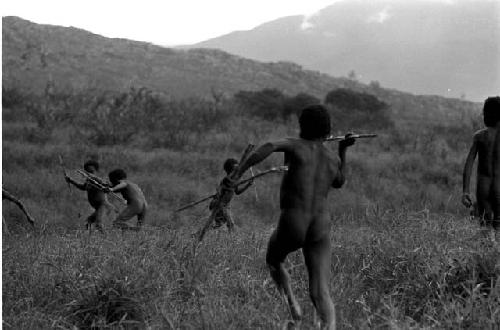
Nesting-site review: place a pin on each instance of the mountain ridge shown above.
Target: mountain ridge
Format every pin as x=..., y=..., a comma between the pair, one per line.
x=419, y=47
x=74, y=59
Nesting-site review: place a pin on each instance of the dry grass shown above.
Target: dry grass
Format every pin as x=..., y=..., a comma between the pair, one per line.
x=398, y=271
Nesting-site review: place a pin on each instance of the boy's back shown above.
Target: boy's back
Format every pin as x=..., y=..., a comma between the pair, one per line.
x=132, y=193
x=485, y=140
x=312, y=168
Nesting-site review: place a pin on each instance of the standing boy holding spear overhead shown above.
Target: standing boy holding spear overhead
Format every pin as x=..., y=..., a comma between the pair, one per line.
x=304, y=222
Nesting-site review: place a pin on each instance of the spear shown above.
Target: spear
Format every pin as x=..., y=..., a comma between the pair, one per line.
x=195, y=203
x=254, y=187
x=348, y=136
x=271, y=170
x=96, y=182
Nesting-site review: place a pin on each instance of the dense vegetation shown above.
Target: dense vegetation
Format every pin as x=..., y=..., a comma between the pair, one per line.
x=405, y=254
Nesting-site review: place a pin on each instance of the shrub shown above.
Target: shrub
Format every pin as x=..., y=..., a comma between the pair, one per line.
x=11, y=97
x=351, y=109
x=267, y=103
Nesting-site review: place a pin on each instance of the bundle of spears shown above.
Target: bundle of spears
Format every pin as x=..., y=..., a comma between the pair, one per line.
x=99, y=184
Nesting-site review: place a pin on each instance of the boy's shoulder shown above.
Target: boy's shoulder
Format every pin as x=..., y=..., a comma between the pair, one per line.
x=480, y=134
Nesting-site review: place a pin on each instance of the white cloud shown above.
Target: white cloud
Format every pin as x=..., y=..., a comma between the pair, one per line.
x=380, y=17
x=307, y=22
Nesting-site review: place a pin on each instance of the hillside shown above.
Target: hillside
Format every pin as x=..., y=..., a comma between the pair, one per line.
x=75, y=59
x=444, y=48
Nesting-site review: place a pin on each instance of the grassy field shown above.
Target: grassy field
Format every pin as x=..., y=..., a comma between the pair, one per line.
x=405, y=254
x=408, y=270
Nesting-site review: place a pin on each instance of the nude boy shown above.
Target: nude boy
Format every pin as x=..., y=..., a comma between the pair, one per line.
x=95, y=195
x=304, y=221
x=483, y=147
x=136, y=202
x=220, y=204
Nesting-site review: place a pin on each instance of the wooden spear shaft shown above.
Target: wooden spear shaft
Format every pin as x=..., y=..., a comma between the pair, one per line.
x=194, y=203
x=97, y=184
x=274, y=169
x=353, y=136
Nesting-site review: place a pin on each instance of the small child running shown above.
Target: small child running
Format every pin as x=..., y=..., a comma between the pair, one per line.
x=136, y=202
x=95, y=195
x=220, y=204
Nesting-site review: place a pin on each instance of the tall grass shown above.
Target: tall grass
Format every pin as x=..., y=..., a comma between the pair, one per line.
x=400, y=270
x=405, y=255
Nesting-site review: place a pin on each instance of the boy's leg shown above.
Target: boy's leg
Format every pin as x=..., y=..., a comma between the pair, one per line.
x=317, y=258
x=228, y=219
x=123, y=217
x=90, y=220
x=495, y=206
x=483, y=198
x=142, y=216
x=99, y=216
x=207, y=225
x=218, y=217
x=277, y=251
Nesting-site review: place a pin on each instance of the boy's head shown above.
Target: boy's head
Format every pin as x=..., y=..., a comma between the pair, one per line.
x=230, y=164
x=116, y=175
x=91, y=166
x=314, y=122
x=491, y=111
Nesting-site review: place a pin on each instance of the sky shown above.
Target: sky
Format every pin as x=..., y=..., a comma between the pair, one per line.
x=162, y=22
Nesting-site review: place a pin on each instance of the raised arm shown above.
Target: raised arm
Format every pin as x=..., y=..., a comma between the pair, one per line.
x=263, y=152
x=239, y=190
x=80, y=186
x=467, y=173
x=343, y=145
x=118, y=187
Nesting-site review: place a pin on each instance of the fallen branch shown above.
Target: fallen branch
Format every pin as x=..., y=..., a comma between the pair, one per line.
x=8, y=196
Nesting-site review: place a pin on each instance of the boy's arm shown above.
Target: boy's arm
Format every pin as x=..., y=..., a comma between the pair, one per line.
x=263, y=152
x=239, y=191
x=469, y=163
x=118, y=187
x=80, y=186
x=343, y=145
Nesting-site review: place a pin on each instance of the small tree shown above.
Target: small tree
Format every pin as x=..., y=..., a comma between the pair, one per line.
x=351, y=109
x=266, y=103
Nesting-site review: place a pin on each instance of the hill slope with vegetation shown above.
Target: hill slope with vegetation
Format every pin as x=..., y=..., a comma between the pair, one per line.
x=75, y=60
